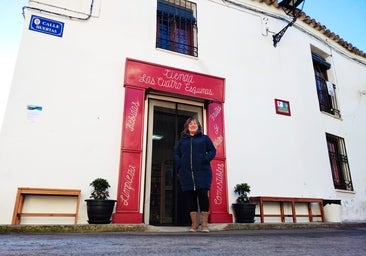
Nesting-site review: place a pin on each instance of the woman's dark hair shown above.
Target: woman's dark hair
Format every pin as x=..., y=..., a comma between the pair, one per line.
x=185, y=127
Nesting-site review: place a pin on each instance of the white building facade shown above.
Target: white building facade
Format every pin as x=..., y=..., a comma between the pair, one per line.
x=102, y=89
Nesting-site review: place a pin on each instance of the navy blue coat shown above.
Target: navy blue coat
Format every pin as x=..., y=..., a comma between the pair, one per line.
x=192, y=157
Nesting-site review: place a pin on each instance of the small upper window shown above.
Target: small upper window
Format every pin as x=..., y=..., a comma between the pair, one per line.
x=176, y=27
x=326, y=90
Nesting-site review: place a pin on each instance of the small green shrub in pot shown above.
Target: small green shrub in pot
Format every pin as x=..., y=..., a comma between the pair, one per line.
x=99, y=207
x=244, y=211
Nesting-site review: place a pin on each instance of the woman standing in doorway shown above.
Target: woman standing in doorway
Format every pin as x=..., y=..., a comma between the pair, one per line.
x=192, y=157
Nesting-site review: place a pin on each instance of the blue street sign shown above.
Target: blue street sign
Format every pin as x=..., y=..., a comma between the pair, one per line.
x=46, y=26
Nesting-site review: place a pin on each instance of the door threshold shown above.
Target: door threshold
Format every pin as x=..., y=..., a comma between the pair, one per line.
x=168, y=229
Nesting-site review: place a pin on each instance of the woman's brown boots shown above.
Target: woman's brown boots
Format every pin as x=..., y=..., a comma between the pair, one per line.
x=194, y=220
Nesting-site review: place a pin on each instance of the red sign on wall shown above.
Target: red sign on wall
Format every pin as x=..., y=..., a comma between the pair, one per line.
x=130, y=163
x=174, y=80
x=128, y=196
x=132, y=120
x=218, y=192
x=215, y=127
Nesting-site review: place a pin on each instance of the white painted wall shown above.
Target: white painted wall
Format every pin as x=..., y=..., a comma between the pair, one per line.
x=78, y=80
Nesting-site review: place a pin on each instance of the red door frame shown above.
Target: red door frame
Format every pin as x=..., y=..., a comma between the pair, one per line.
x=140, y=76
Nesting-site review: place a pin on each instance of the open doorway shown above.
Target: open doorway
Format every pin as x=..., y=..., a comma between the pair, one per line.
x=164, y=201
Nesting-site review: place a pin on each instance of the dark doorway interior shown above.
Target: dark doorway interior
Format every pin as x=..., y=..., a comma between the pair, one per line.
x=167, y=204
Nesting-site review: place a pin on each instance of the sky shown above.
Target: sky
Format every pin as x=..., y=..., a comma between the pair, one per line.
x=346, y=18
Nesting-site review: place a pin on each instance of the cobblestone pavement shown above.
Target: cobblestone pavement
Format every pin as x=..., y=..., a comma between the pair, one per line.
x=345, y=241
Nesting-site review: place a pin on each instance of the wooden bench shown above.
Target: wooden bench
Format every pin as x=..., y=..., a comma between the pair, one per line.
x=23, y=192
x=292, y=201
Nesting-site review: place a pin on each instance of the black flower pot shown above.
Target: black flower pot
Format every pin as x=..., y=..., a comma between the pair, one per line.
x=99, y=210
x=244, y=213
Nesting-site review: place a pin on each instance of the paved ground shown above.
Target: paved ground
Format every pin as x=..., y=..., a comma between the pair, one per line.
x=332, y=241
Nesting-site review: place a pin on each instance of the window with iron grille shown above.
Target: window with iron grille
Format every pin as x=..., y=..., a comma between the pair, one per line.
x=176, y=28
x=326, y=90
x=339, y=162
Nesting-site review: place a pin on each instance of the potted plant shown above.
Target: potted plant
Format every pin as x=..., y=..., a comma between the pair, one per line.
x=244, y=211
x=99, y=207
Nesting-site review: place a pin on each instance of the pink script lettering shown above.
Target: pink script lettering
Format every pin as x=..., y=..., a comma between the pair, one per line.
x=219, y=184
x=131, y=117
x=128, y=185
